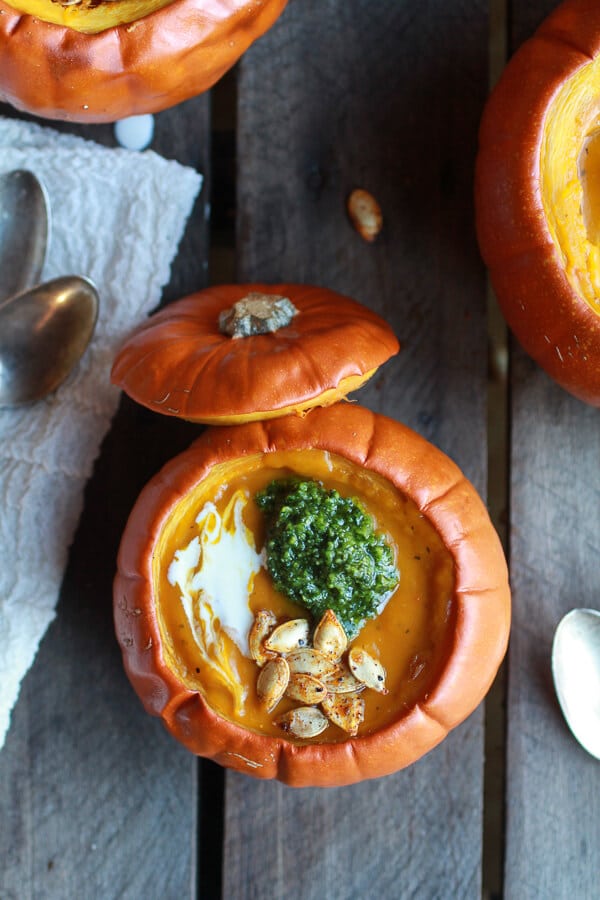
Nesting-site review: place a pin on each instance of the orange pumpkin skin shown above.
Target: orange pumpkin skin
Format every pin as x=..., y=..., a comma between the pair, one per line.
x=140, y=67
x=553, y=323
x=179, y=364
x=444, y=496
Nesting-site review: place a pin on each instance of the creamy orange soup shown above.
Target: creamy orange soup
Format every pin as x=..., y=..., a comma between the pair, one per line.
x=410, y=637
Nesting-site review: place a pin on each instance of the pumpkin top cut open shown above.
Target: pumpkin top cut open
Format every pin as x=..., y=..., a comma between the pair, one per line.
x=538, y=196
x=238, y=353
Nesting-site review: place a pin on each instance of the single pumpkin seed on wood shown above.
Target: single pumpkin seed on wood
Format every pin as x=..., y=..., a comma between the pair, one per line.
x=365, y=214
x=303, y=722
x=288, y=636
x=264, y=622
x=272, y=682
x=311, y=662
x=329, y=637
x=347, y=711
x=367, y=669
x=305, y=688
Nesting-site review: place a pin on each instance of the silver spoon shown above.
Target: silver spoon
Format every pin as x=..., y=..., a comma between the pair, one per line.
x=24, y=229
x=576, y=673
x=43, y=333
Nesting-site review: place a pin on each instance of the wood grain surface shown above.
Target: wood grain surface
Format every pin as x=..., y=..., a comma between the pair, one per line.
x=96, y=801
x=338, y=96
x=553, y=786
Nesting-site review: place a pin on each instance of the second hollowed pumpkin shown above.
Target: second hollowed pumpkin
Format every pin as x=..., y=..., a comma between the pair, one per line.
x=538, y=196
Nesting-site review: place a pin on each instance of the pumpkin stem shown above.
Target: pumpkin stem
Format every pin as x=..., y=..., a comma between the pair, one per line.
x=256, y=313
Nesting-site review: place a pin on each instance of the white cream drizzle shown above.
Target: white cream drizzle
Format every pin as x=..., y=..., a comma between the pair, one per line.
x=215, y=576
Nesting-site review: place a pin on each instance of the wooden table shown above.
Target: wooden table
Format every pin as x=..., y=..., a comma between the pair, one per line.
x=96, y=800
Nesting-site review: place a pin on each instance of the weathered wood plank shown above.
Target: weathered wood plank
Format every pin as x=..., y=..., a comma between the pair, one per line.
x=553, y=796
x=95, y=799
x=386, y=96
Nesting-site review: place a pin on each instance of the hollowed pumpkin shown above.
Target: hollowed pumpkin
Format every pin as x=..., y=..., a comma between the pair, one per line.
x=538, y=196
x=103, y=60
x=442, y=638
x=179, y=363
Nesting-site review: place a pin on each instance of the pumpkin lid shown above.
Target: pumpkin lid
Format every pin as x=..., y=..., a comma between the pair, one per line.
x=237, y=353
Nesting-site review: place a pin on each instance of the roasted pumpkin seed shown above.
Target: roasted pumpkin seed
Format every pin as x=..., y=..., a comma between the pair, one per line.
x=272, y=682
x=288, y=636
x=365, y=214
x=329, y=637
x=367, y=669
x=342, y=681
x=303, y=722
x=347, y=711
x=305, y=688
x=264, y=622
x=311, y=662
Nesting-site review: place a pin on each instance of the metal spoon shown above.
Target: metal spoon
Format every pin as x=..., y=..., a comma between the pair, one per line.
x=576, y=673
x=43, y=333
x=24, y=228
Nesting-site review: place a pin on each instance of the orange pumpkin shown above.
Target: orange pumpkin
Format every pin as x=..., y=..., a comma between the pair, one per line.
x=103, y=61
x=180, y=363
x=374, y=447
x=538, y=196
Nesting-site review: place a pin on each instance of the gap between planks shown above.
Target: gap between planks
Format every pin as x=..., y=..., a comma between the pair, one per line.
x=498, y=447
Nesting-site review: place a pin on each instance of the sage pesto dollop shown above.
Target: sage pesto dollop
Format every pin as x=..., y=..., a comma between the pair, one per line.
x=323, y=552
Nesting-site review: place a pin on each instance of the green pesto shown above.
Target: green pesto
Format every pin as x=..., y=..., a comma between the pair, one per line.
x=324, y=553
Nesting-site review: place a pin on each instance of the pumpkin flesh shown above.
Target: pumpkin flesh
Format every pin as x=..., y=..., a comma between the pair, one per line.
x=570, y=179
x=89, y=17
x=410, y=637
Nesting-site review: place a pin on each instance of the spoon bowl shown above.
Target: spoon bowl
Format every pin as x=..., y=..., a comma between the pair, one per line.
x=43, y=333
x=24, y=228
x=576, y=673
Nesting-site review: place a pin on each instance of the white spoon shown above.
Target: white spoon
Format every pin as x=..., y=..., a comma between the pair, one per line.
x=576, y=673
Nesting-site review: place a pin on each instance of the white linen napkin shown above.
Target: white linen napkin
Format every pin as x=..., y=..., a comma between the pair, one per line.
x=117, y=217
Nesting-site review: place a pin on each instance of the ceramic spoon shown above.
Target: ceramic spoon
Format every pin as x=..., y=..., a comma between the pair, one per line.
x=576, y=672
x=24, y=228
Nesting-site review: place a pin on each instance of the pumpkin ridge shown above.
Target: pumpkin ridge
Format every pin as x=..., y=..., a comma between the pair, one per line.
x=15, y=23
x=552, y=37
x=449, y=489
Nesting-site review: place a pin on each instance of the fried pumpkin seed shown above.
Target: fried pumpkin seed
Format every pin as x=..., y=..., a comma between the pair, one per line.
x=264, y=622
x=303, y=722
x=272, y=682
x=367, y=669
x=288, y=636
x=329, y=637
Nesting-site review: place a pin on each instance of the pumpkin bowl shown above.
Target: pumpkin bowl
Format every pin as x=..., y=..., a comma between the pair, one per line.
x=537, y=196
x=440, y=636
x=317, y=346
x=103, y=60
